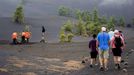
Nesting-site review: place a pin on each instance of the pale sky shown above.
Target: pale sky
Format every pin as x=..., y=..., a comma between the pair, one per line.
x=116, y=2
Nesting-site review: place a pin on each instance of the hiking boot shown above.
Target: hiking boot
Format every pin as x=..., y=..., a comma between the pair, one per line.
x=116, y=66
x=101, y=68
x=126, y=63
x=91, y=66
x=119, y=67
x=96, y=64
x=122, y=61
x=83, y=62
x=106, y=69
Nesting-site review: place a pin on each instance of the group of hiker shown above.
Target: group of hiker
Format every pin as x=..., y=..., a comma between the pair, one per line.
x=21, y=38
x=104, y=43
x=100, y=45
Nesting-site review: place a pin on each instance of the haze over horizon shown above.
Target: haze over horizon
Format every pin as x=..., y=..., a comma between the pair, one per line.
x=41, y=8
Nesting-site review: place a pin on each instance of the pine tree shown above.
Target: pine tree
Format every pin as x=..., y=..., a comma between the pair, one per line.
x=95, y=15
x=64, y=11
x=62, y=36
x=111, y=23
x=122, y=22
x=78, y=14
x=68, y=26
x=86, y=16
x=103, y=20
x=70, y=37
x=19, y=15
x=80, y=28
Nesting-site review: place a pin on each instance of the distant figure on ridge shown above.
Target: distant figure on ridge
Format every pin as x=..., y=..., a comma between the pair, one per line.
x=43, y=34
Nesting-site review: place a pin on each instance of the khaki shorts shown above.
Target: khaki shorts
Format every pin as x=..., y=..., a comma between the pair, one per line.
x=104, y=54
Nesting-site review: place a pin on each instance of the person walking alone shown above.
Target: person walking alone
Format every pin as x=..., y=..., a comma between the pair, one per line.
x=43, y=34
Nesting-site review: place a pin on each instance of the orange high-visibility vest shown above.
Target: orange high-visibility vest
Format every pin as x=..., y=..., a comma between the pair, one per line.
x=14, y=35
x=27, y=34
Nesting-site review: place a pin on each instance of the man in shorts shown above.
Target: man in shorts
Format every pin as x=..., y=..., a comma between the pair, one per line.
x=103, y=42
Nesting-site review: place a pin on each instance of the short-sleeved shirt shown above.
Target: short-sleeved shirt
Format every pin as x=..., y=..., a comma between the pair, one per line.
x=92, y=45
x=103, y=40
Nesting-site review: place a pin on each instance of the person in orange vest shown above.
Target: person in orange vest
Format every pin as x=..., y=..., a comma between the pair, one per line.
x=27, y=36
x=23, y=37
x=14, y=37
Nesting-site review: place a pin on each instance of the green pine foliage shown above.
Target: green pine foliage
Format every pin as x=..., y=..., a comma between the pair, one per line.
x=95, y=15
x=66, y=33
x=69, y=37
x=80, y=28
x=111, y=23
x=88, y=23
x=78, y=14
x=64, y=11
x=68, y=26
x=93, y=28
x=122, y=22
x=19, y=15
x=103, y=20
x=62, y=35
x=86, y=16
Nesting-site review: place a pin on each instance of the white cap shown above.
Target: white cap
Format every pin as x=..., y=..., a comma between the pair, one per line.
x=103, y=28
x=116, y=31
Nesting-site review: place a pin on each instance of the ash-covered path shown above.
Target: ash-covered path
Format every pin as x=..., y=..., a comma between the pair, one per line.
x=54, y=59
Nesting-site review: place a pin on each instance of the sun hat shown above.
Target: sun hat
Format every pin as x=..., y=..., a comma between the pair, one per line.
x=116, y=31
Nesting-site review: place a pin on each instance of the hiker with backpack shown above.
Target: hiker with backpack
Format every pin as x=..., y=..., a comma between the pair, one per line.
x=103, y=43
x=93, y=52
x=117, y=44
